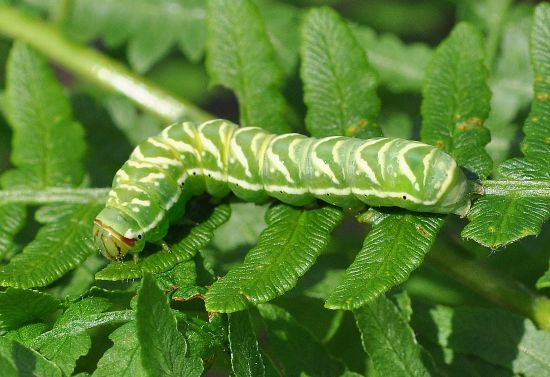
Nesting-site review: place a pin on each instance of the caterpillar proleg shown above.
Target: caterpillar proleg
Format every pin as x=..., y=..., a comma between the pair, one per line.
x=185, y=159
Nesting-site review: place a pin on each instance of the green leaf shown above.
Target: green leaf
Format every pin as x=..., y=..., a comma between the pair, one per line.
x=389, y=341
x=287, y=248
x=511, y=84
x=489, y=16
x=123, y=358
x=400, y=66
x=79, y=325
x=511, y=80
x=455, y=364
x=495, y=336
x=440, y=123
x=7, y=368
x=397, y=124
x=456, y=100
x=65, y=351
x=394, y=248
x=464, y=365
x=151, y=27
x=12, y=220
x=60, y=245
x=241, y=58
x=537, y=127
x=18, y=360
x=339, y=84
x=21, y=306
x=242, y=230
x=26, y=334
x=246, y=360
x=297, y=351
x=500, y=220
x=197, y=239
x=388, y=266
x=181, y=279
x=48, y=145
x=403, y=302
x=163, y=347
x=270, y=369
x=205, y=339
x=282, y=22
x=78, y=281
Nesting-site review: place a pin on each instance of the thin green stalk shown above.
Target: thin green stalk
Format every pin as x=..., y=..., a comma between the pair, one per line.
x=517, y=188
x=53, y=195
x=492, y=285
x=91, y=65
x=494, y=32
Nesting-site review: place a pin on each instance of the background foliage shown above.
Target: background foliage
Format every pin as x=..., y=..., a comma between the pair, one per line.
x=273, y=290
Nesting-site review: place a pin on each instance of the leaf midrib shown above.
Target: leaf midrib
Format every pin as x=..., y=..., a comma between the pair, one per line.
x=270, y=266
x=389, y=343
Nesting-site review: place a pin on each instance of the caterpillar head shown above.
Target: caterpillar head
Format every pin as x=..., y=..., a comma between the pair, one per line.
x=110, y=243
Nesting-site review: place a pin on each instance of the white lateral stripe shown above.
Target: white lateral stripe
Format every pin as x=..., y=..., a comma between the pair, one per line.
x=390, y=194
x=286, y=189
x=345, y=191
x=245, y=185
x=223, y=178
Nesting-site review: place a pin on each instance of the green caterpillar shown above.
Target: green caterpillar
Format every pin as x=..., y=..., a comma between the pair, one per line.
x=152, y=187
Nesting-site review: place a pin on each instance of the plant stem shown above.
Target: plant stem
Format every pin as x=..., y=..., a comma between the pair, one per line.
x=517, y=188
x=96, y=67
x=53, y=195
x=491, y=284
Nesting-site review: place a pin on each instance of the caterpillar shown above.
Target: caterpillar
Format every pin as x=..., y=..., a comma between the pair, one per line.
x=185, y=159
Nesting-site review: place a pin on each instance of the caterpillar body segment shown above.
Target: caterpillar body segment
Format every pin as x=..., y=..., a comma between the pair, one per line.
x=162, y=173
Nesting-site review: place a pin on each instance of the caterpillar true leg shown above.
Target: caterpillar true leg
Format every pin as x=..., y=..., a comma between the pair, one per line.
x=165, y=247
